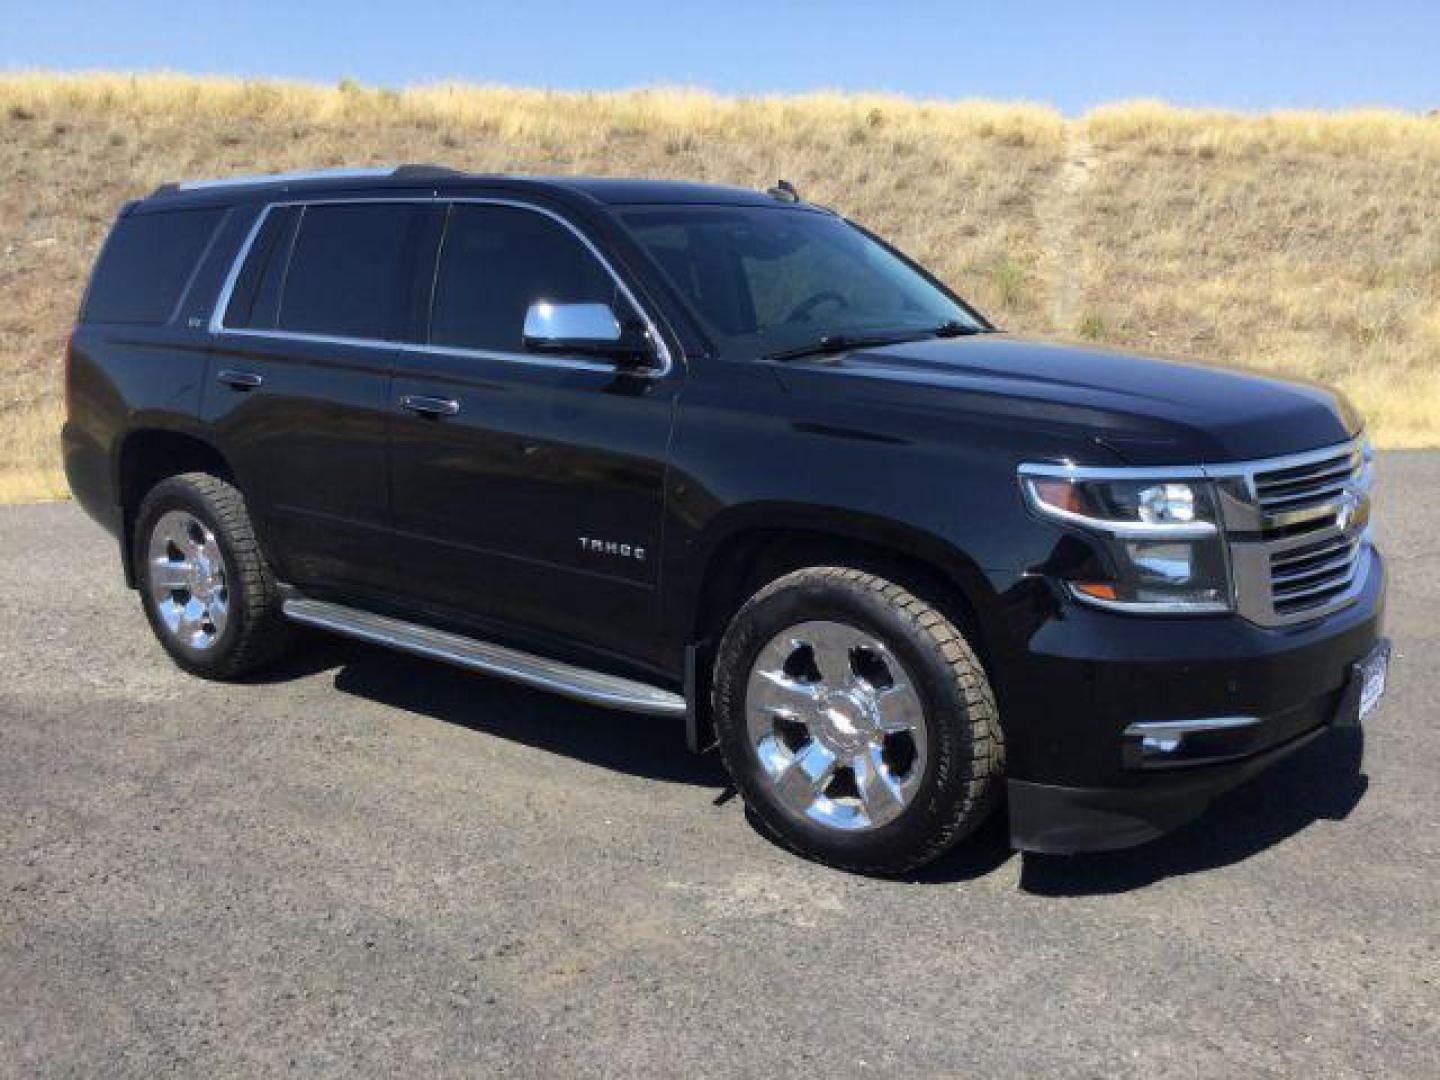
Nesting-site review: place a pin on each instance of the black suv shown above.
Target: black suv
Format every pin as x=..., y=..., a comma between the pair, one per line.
x=723, y=455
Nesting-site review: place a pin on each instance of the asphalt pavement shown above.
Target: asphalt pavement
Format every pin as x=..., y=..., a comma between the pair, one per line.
x=372, y=865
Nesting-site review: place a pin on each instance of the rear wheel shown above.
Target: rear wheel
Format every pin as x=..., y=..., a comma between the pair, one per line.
x=209, y=595
x=856, y=720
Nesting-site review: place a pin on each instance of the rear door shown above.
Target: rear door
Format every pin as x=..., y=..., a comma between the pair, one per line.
x=299, y=377
x=537, y=501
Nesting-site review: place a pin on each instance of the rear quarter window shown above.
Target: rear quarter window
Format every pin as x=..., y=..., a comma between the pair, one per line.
x=146, y=264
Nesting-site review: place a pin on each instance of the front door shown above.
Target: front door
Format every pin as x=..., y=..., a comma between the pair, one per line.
x=527, y=489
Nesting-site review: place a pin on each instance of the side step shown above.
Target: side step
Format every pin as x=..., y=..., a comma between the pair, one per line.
x=594, y=687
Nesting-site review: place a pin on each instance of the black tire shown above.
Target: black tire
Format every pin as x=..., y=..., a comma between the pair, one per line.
x=962, y=778
x=255, y=634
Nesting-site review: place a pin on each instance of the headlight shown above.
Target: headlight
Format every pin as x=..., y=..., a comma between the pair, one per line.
x=1166, y=551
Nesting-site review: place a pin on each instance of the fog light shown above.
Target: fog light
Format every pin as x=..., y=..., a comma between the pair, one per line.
x=1159, y=743
x=1154, y=745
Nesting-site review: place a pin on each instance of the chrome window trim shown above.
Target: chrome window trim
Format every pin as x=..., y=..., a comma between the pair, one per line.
x=523, y=358
x=227, y=288
x=219, y=329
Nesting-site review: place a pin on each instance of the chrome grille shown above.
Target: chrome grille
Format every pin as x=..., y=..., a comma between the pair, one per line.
x=1317, y=482
x=1298, y=532
x=1308, y=576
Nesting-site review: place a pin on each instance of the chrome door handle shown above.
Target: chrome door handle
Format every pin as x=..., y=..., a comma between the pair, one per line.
x=430, y=406
x=240, y=380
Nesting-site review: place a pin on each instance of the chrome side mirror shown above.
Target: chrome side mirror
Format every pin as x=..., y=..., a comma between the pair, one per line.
x=589, y=328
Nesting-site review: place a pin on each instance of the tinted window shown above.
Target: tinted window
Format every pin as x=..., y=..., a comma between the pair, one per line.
x=495, y=262
x=146, y=265
x=348, y=273
x=777, y=278
x=255, y=299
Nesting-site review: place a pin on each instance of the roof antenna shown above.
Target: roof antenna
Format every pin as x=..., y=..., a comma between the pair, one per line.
x=784, y=191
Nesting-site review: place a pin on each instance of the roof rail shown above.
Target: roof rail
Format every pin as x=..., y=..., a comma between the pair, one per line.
x=399, y=172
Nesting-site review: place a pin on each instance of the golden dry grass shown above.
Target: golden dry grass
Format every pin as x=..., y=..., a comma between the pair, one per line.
x=1301, y=243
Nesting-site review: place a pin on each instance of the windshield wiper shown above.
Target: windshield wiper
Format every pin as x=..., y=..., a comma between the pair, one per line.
x=834, y=343
x=955, y=328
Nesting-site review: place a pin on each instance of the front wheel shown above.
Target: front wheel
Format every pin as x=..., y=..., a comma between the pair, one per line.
x=856, y=721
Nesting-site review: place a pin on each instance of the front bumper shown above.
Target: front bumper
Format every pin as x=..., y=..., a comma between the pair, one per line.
x=1078, y=779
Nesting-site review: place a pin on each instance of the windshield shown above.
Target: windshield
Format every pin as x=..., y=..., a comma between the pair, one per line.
x=776, y=279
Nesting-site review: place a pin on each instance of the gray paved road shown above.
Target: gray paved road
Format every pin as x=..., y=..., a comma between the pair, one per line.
x=371, y=864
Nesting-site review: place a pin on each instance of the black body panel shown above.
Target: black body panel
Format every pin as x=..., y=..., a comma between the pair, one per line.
x=1158, y=412
x=491, y=507
x=309, y=448
x=485, y=519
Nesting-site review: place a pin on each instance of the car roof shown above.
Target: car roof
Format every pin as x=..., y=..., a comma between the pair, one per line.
x=608, y=191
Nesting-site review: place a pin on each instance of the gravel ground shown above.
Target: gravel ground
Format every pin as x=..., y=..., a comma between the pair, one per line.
x=370, y=864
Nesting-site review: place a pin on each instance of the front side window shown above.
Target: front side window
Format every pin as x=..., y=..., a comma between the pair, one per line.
x=776, y=278
x=495, y=261
x=349, y=271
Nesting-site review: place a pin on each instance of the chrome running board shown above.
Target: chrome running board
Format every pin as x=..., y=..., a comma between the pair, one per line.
x=594, y=687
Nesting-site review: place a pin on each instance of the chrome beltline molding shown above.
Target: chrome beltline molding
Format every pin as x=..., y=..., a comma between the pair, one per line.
x=218, y=328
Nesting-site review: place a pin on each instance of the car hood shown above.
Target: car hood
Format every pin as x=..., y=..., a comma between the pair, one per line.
x=1148, y=410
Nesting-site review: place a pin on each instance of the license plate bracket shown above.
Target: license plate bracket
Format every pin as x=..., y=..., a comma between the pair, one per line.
x=1366, y=686
x=1373, y=672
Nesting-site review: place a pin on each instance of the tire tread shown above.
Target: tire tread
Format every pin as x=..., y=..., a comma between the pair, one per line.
x=981, y=784
x=264, y=634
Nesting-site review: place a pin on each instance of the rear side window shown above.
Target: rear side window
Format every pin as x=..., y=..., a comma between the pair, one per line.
x=349, y=271
x=146, y=264
x=255, y=298
x=495, y=262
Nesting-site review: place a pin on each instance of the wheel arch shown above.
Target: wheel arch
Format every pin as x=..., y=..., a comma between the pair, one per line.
x=746, y=551
x=144, y=458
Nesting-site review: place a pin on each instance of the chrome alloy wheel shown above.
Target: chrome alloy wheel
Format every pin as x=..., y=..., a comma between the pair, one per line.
x=188, y=580
x=837, y=724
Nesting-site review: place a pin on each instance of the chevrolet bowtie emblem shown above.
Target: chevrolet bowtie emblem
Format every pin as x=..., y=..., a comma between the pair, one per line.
x=1345, y=512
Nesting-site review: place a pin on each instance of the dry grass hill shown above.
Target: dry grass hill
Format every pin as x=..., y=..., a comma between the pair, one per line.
x=1301, y=243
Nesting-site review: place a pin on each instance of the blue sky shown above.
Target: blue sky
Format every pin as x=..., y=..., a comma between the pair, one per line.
x=1250, y=55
